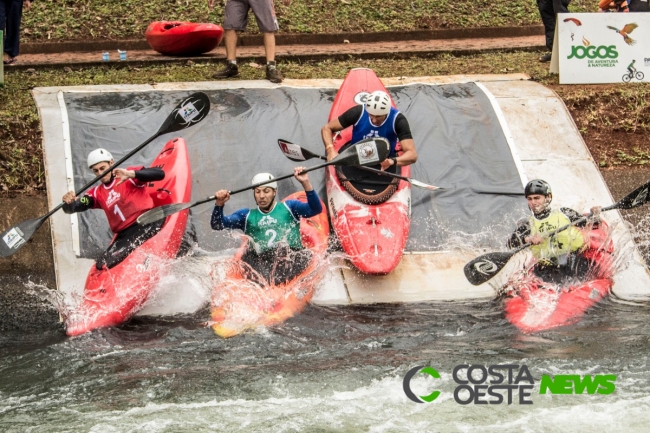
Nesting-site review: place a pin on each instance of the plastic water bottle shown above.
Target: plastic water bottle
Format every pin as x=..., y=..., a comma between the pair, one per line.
x=122, y=54
x=105, y=56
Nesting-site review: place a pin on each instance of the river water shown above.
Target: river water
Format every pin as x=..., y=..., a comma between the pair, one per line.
x=328, y=369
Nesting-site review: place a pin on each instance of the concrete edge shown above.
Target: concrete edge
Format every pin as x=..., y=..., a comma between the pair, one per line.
x=296, y=39
x=297, y=58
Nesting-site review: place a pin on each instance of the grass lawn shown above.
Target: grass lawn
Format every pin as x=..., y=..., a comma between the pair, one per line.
x=59, y=20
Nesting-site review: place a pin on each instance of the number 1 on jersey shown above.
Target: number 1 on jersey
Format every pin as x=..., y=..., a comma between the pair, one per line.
x=117, y=211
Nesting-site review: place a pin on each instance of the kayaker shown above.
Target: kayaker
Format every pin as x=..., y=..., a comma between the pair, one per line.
x=123, y=196
x=376, y=118
x=558, y=256
x=273, y=228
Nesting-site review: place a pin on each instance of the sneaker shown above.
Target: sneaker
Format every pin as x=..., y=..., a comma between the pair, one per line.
x=545, y=58
x=272, y=74
x=230, y=70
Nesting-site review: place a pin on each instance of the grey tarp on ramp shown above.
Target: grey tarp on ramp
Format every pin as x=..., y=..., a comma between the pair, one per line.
x=458, y=137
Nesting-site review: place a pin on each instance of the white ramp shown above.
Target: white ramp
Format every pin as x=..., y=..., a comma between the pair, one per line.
x=546, y=143
x=540, y=132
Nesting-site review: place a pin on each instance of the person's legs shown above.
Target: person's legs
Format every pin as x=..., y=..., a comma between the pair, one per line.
x=4, y=7
x=230, y=40
x=236, y=18
x=561, y=6
x=548, y=10
x=231, y=69
x=547, y=14
x=272, y=73
x=14, y=13
x=268, y=25
x=269, y=46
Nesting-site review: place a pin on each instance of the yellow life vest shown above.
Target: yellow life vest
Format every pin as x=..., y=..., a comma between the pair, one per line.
x=559, y=244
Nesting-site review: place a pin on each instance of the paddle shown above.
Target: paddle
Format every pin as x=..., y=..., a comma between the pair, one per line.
x=485, y=267
x=188, y=112
x=297, y=153
x=370, y=151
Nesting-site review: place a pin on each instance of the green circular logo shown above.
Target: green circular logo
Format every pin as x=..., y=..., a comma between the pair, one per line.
x=407, y=384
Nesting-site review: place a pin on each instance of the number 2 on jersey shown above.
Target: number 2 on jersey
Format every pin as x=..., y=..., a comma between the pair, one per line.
x=271, y=241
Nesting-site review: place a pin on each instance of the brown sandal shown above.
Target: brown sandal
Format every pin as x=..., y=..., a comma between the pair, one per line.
x=10, y=61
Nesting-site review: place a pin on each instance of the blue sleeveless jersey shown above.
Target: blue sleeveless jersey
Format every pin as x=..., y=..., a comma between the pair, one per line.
x=365, y=129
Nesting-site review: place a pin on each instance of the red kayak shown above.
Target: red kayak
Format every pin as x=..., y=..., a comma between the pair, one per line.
x=371, y=221
x=178, y=38
x=239, y=304
x=112, y=296
x=536, y=305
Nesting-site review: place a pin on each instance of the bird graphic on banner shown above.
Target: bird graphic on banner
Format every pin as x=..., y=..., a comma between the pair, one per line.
x=627, y=29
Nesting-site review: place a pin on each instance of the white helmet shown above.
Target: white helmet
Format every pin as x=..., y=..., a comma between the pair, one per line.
x=378, y=103
x=98, y=155
x=261, y=177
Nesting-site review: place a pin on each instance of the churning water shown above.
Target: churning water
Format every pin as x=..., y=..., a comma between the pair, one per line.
x=328, y=369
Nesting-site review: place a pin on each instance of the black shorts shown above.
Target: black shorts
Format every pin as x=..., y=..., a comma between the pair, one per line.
x=576, y=268
x=125, y=242
x=282, y=264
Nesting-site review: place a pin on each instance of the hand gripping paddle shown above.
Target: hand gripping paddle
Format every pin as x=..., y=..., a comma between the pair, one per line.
x=188, y=112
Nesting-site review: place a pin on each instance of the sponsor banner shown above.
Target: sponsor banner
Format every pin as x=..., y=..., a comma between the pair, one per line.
x=603, y=48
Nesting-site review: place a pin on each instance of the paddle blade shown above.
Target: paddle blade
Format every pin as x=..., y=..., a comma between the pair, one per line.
x=638, y=197
x=161, y=212
x=425, y=185
x=13, y=239
x=295, y=152
x=370, y=151
x=188, y=112
x=485, y=267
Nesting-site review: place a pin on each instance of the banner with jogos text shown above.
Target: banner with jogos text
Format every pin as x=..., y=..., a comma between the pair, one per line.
x=603, y=47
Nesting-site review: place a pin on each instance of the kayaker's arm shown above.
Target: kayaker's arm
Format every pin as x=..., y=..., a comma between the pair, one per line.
x=77, y=204
x=518, y=237
x=151, y=174
x=140, y=174
x=349, y=118
x=575, y=216
x=409, y=154
x=305, y=210
x=219, y=221
x=313, y=205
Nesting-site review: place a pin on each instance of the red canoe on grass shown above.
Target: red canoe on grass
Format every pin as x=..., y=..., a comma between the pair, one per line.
x=112, y=296
x=177, y=38
x=372, y=233
x=536, y=305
